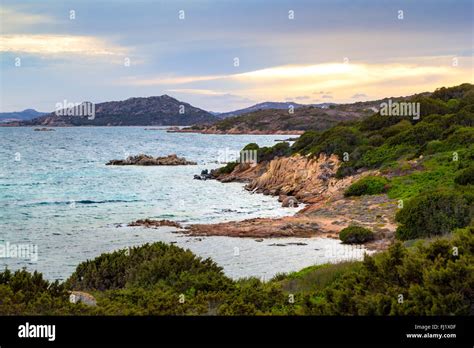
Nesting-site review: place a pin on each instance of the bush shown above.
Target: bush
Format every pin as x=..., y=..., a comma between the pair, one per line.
x=465, y=176
x=432, y=213
x=370, y=185
x=228, y=168
x=304, y=142
x=383, y=154
x=269, y=153
x=401, y=126
x=417, y=135
x=429, y=106
x=377, y=121
x=376, y=140
x=251, y=146
x=336, y=140
x=355, y=235
x=147, y=266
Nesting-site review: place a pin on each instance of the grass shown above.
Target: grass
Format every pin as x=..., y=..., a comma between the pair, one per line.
x=439, y=171
x=316, y=277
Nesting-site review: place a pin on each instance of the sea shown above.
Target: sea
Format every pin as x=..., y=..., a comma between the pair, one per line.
x=61, y=205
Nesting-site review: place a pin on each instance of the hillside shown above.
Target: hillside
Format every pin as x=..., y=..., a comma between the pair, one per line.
x=359, y=172
x=152, y=111
x=260, y=106
x=24, y=115
x=281, y=121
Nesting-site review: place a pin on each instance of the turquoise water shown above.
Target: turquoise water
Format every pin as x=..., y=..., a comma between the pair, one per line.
x=57, y=195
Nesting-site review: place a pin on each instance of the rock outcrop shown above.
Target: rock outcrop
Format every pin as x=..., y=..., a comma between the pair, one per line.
x=154, y=223
x=82, y=297
x=44, y=129
x=310, y=181
x=146, y=160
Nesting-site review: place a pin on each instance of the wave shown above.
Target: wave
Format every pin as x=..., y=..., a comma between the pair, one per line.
x=84, y=201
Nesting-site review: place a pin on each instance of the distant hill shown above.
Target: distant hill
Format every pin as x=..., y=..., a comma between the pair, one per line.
x=304, y=117
x=151, y=111
x=259, y=106
x=282, y=121
x=27, y=114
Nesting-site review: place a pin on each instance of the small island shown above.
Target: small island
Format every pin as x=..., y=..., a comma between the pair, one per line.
x=44, y=129
x=146, y=160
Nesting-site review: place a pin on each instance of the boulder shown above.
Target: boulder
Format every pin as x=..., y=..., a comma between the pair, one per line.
x=290, y=201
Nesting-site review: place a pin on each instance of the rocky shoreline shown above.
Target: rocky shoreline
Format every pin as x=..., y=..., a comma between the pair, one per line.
x=312, y=182
x=233, y=131
x=146, y=160
x=300, y=180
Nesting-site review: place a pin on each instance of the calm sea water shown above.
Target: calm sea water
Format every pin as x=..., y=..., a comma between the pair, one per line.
x=61, y=204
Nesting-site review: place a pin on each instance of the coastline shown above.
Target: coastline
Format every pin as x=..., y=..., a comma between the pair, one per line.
x=234, y=131
x=311, y=182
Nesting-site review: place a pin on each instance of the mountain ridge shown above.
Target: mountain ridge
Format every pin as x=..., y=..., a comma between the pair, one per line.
x=135, y=111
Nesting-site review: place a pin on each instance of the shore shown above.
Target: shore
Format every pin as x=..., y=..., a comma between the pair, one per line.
x=233, y=131
x=313, y=183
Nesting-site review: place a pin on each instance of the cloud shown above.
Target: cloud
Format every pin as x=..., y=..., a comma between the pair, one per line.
x=13, y=20
x=360, y=95
x=330, y=79
x=196, y=91
x=58, y=44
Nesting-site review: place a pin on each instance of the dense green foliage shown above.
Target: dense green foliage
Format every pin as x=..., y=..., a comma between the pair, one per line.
x=355, y=235
x=27, y=293
x=370, y=185
x=148, y=266
x=433, y=213
x=465, y=176
x=228, y=168
x=429, y=278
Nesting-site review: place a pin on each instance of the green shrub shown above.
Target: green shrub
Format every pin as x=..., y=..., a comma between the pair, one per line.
x=269, y=153
x=336, y=140
x=417, y=135
x=462, y=136
x=450, y=93
x=383, y=154
x=401, y=126
x=377, y=121
x=370, y=185
x=355, y=235
x=432, y=213
x=251, y=146
x=429, y=106
x=228, y=168
x=464, y=117
x=465, y=176
x=467, y=99
x=376, y=140
x=147, y=266
x=304, y=142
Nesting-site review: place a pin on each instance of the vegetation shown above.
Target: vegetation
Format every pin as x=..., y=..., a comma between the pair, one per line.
x=428, y=278
x=433, y=213
x=465, y=176
x=370, y=185
x=355, y=235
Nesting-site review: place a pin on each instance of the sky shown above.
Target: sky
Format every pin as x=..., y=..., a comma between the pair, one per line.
x=225, y=55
